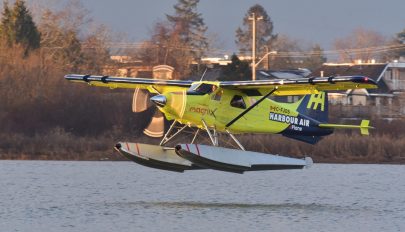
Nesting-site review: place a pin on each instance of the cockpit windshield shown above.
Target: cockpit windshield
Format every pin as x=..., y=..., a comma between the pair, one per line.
x=201, y=89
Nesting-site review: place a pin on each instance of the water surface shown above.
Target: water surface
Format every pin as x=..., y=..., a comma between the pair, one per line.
x=123, y=196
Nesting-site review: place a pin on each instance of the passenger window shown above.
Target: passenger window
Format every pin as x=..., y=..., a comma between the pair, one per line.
x=238, y=102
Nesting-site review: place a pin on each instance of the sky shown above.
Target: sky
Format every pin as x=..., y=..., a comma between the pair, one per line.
x=310, y=21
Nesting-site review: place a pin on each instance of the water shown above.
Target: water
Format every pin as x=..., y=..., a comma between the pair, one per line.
x=123, y=196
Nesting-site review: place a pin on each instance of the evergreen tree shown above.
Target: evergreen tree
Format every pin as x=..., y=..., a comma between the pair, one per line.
x=179, y=41
x=264, y=31
x=6, y=25
x=18, y=27
x=26, y=32
x=316, y=59
x=400, y=39
x=189, y=25
x=237, y=70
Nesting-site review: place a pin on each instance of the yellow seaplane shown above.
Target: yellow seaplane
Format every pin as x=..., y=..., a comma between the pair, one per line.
x=230, y=108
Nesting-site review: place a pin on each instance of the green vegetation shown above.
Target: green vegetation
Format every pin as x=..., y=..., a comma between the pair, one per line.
x=264, y=31
x=316, y=59
x=17, y=27
x=237, y=70
x=400, y=39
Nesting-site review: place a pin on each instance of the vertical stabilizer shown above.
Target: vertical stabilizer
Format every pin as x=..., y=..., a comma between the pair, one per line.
x=315, y=106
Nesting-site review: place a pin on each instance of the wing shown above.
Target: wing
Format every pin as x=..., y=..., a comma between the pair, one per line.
x=152, y=85
x=303, y=86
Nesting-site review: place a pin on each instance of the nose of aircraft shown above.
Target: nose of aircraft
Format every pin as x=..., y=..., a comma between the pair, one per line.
x=159, y=100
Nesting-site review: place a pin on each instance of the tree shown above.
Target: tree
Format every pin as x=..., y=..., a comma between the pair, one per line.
x=95, y=50
x=401, y=37
x=264, y=31
x=166, y=47
x=359, y=45
x=400, y=40
x=19, y=28
x=189, y=26
x=236, y=71
x=6, y=27
x=60, y=40
x=315, y=59
x=284, y=59
x=178, y=41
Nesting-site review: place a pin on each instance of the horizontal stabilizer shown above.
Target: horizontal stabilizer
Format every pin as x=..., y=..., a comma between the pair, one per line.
x=364, y=126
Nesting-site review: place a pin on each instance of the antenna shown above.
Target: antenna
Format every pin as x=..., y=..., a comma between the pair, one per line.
x=202, y=77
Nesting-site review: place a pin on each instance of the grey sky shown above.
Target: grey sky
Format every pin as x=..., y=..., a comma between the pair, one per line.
x=313, y=21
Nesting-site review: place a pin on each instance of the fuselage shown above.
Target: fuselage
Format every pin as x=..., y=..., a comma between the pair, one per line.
x=217, y=107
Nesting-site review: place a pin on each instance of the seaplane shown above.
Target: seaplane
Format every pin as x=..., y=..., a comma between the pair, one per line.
x=229, y=108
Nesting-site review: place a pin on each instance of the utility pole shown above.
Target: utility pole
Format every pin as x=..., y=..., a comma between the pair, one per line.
x=254, y=19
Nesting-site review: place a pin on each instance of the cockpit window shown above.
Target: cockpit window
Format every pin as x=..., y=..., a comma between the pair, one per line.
x=201, y=89
x=238, y=102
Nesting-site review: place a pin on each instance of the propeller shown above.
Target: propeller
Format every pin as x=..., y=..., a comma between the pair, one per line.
x=156, y=127
x=140, y=103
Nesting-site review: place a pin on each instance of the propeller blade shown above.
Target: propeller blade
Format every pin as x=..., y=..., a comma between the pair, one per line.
x=140, y=101
x=156, y=127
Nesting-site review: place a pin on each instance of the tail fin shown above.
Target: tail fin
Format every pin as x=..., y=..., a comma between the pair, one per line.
x=315, y=106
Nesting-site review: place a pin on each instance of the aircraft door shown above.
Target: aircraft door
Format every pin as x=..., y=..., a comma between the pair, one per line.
x=215, y=103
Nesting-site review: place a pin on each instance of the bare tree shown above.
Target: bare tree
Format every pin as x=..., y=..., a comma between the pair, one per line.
x=179, y=41
x=70, y=37
x=359, y=45
x=285, y=58
x=315, y=58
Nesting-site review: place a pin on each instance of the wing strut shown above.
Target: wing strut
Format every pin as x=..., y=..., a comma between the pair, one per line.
x=235, y=140
x=213, y=137
x=250, y=108
x=166, y=138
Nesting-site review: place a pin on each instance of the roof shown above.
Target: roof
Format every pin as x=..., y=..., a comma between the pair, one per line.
x=282, y=74
x=372, y=71
x=382, y=88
